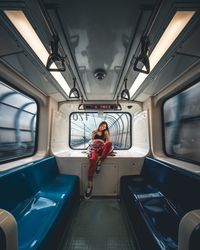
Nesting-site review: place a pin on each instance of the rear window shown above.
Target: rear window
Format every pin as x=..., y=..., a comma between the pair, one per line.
x=83, y=123
x=18, y=114
x=181, y=115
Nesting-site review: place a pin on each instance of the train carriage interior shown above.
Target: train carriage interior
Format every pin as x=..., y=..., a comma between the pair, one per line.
x=65, y=67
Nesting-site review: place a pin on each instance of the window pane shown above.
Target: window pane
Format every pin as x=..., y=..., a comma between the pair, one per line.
x=17, y=124
x=82, y=125
x=182, y=124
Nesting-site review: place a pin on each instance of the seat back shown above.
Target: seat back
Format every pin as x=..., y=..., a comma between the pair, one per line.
x=21, y=183
x=158, y=174
x=16, y=185
x=180, y=186
x=45, y=170
x=186, y=190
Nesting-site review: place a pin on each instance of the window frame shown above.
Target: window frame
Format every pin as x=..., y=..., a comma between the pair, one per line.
x=83, y=112
x=163, y=124
x=9, y=84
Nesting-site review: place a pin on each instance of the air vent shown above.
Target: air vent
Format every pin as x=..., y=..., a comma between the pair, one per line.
x=100, y=74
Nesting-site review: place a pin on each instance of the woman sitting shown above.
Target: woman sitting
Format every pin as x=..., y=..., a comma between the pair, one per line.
x=101, y=146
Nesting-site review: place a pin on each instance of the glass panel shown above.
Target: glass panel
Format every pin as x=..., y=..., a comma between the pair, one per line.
x=25, y=120
x=17, y=124
x=7, y=115
x=82, y=125
x=7, y=136
x=182, y=124
x=26, y=136
x=32, y=108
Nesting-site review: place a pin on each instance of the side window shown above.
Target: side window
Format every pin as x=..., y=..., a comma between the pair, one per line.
x=83, y=123
x=18, y=116
x=181, y=115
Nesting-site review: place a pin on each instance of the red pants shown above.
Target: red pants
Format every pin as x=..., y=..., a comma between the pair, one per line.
x=104, y=152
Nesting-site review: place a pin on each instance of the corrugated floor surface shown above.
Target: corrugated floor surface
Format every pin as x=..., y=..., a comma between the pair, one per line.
x=99, y=225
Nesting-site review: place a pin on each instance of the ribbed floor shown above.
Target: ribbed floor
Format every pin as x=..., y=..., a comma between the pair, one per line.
x=99, y=225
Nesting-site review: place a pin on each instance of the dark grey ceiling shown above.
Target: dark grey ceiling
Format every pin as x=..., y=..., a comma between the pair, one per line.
x=99, y=35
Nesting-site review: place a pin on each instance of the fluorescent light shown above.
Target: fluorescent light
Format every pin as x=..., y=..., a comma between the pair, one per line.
x=177, y=24
x=22, y=24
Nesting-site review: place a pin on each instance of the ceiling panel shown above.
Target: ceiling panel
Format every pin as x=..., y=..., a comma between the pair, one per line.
x=23, y=64
x=99, y=35
x=186, y=54
x=8, y=45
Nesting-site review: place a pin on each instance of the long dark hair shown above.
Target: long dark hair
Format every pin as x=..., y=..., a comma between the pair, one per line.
x=103, y=122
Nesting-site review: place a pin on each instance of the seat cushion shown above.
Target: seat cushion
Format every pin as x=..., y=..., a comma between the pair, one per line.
x=136, y=187
x=36, y=220
x=41, y=200
x=162, y=220
x=61, y=187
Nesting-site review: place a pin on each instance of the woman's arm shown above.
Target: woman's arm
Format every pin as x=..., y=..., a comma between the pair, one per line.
x=93, y=134
x=107, y=136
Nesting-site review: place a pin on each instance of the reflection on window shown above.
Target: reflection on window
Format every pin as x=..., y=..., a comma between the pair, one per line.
x=182, y=124
x=17, y=124
x=82, y=125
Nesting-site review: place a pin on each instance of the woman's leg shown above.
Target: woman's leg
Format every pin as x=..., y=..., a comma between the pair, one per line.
x=106, y=149
x=92, y=167
x=91, y=170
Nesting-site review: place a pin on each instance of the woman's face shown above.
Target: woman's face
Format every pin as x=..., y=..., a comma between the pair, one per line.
x=102, y=127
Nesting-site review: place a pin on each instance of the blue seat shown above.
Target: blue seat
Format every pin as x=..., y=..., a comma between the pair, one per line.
x=41, y=200
x=156, y=200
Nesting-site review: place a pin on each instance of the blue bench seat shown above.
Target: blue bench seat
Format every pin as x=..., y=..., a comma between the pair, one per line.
x=156, y=201
x=41, y=200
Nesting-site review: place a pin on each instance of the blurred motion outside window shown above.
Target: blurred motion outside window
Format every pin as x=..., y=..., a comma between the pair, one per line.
x=83, y=123
x=18, y=115
x=182, y=125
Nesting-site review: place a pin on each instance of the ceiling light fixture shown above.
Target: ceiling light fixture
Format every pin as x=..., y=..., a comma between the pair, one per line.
x=21, y=23
x=176, y=25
